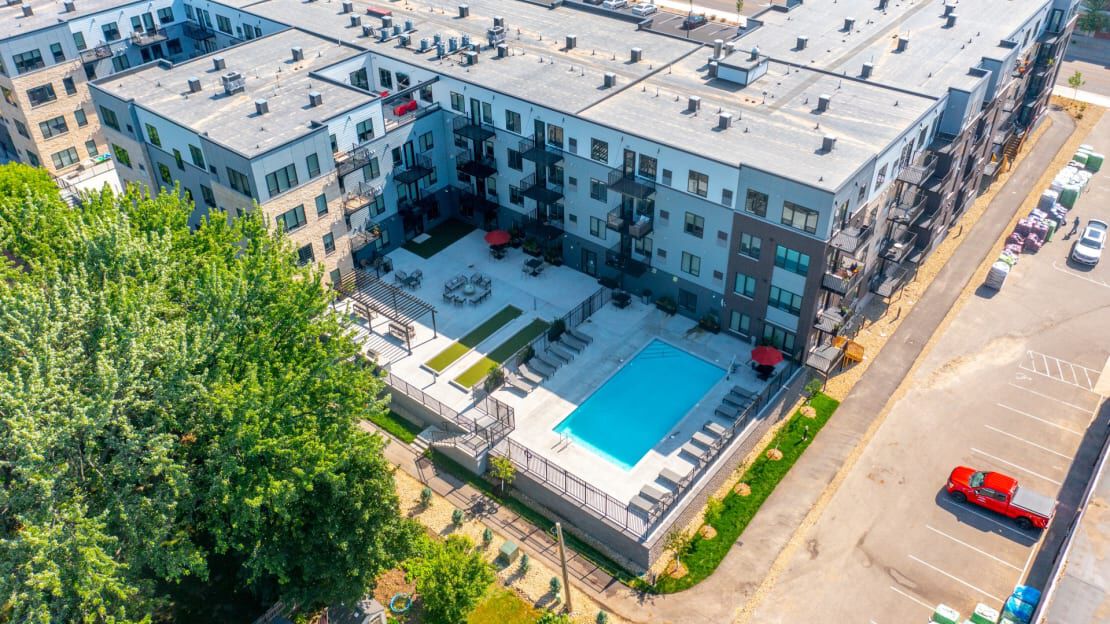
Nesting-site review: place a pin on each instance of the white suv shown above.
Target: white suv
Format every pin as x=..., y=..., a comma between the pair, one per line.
x=1088, y=249
x=644, y=9
x=615, y=4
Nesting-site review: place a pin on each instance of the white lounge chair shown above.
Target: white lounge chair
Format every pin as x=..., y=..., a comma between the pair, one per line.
x=705, y=439
x=715, y=428
x=519, y=383
x=727, y=414
x=655, y=493
x=641, y=503
x=559, y=353
x=530, y=375
x=695, y=451
x=540, y=361
x=586, y=338
x=671, y=475
x=572, y=342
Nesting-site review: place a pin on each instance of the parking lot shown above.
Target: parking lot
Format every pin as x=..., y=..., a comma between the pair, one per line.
x=1006, y=387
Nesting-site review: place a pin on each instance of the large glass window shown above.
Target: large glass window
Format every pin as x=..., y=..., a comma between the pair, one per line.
x=108, y=116
x=165, y=15
x=385, y=78
x=371, y=169
x=793, y=261
x=239, y=182
x=512, y=121
x=305, y=255
x=598, y=190
x=164, y=173
x=427, y=141
x=208, y=195
x=698, y=184
x=756, y=203
x=744, y=285
x=799, y=217
x=740, y=323
x=691, y=264
x=750, y=245
x=695, y=224
x=41, y=94
x=555, y=136
x=329, y=243
x=312, y=162
x=291, y=219
x=779, y=338
x=365, y=130
x=197, y=156
x=359, y=79
x=152, y=135
x=223, y=24
x=321, y=205
x=516, y=160
x=53, y=127
x=599, y=150
x=281, y=180
x=69, y=86
x=648, y=166
x=458, y=102
x=79, y=40
x=65, y=157
x=121, y=155
x=57, y=52
x=28, y=61
x=111, y=31
x=597, y=228
x=785, y=300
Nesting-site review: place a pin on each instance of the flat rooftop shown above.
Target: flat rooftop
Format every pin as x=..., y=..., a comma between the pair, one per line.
x=46, y=13
x=271, y=74
x=936, y=57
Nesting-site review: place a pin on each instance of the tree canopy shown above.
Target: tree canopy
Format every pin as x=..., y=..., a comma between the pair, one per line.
x=178, y=418
x=451, y=578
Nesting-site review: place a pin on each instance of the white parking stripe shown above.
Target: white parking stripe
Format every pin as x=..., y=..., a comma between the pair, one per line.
x=1013, y=465
x=919, y=601
x=958, y=580
x=1051, y=398
x=1080, y=276
x=1047, y=422
x=1006, y=527
x=1034, y=366
x=981, y=552
x=1033, y=444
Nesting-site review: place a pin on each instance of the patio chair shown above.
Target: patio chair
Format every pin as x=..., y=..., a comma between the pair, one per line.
x=560, y=354
x=540, y=360
x=727, y=413
x=671, y=475
x=418, y=274
x=520, y=383
x=642, y=504
x=696, y=452
x=572, y=342
x=586, y=338
x=654, y=493
x=705, y=439
x=542, y=366
x=530, y=375
x=400, y=277
x=715, y=428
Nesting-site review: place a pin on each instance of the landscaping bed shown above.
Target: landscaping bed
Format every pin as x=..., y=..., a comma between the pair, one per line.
x=703, y=555
x=502, y=352
x=396, y=426
x=442, y=236
x=463, y=345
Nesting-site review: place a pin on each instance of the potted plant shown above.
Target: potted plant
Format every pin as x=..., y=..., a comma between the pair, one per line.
x=531, y=247
x=667, y=305
x=556, y=330
x=553, y=256
x=516, y=237
x=494, y=379
x=710, y=323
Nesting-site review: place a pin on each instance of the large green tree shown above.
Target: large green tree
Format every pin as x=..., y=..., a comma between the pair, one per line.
x=178, y=418
x=451, y=577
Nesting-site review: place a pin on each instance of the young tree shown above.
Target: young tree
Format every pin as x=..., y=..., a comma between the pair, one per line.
x=171, y=416
x=677, y=543
x=451, y=578
x=502, y=469
x=739, y=8
x=1093, y=19
x=1075, y=81
x=551, y=617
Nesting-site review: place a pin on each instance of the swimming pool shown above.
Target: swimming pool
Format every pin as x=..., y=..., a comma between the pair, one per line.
x=632, y=411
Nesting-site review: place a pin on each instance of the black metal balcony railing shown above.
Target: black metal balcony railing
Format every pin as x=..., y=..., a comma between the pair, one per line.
x=360, y=196
x=897, y=248
x=476, y=166
x=399, y=111
x=366, y=234
x=850, y=239
x=546, y=221
x=420, y=167
x=198, y=32
x=149, y=37
x=534, y=149
x=634, y=223
x=474, y=203
x=628, y=183
x=893, y=280
x=625, y=264
x=101, y=51
x=917, y=174
x=476, y=131
x=830, y=320
x=841, y=280
x=353, y=160
x=908, y=207
x=939, y=180
x=541, y=190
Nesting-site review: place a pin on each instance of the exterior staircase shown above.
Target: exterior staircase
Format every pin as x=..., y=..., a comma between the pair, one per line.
x=1010, y=150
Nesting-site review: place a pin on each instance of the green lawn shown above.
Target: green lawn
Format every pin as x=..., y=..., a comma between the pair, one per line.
x=502, y=352
x=442, y=236
x=705, y=555
x=463, y=345
x=396, y=426
x=502, y=606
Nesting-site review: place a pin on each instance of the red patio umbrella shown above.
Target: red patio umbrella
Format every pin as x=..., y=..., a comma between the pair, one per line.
x=498, y=237
x=766, y=356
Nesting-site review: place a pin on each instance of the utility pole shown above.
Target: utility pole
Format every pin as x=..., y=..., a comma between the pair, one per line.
x=563, y=560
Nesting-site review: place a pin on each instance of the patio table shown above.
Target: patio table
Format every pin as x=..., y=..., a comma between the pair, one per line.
x=533, y=266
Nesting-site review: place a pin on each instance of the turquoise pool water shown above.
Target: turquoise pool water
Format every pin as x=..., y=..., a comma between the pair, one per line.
x=632, y=411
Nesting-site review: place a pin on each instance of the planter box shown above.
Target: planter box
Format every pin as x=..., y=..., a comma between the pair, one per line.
x=535, y=253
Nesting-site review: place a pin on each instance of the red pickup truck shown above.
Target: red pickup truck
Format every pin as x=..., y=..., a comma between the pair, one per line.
x=1003, y=495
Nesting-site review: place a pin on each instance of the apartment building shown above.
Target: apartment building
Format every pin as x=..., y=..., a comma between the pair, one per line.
x=50, y=50
x=773, y=181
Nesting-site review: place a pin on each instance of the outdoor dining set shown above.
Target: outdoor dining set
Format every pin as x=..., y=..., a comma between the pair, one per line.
x=461, y=289
x=411, y=281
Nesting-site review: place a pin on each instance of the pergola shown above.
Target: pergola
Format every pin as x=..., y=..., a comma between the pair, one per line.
x=373, y=296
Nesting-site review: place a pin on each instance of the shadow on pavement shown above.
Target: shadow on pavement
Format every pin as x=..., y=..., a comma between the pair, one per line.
x=985, y=521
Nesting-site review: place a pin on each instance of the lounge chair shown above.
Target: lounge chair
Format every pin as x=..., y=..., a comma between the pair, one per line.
x=641, y=503
x=572, y=342
x=742, y=394
x=655, y=493
x=529, y=374
x=695, y=451
x=705, y=439
x=727, y=414
x=731, y=400
x=715, y=428
x=538, y=359
x=541, y=366
x=560, y=353
x=586, y=338
x=519, y=383
x=673, y=476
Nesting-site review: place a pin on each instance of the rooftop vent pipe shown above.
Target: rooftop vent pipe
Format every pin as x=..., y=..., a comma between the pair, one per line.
x=950, y=21
x=69, y=6
x=724, y=120
x=194, y=85
x=823, y=102
x=348, y=6
x=406, y=40
x=367, y=31
x=315, y=99
x=261, y=107
x=636, y=55
x=610, y=80
x=572, y=42
x=387, y=21
x=298, y=54
x=498, y=21
x=801, y=44
x=948, y=9
x=693, y=104
x=27, y=11
x=755, y=53
x=865, y=73
x=713, y=66
x=464, y=10
x=903, y=43
x=849, y=24
x=828, y=142
x=409, y=26
x=718, y=45
x=218, y=63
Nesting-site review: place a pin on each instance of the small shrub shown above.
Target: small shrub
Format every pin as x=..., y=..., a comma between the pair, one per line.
x=812, y=388
x=667, y=305
x=556, y=330
x=602, y=618
x=529, y=351
x=487, y=537
x=426, y=497
x=525, y=564
x=555, y=585
x=713, y=509
x=457, y=517
x=494, y=379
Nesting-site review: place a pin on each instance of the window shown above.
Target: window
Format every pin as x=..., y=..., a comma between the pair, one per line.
x=359, y=79
x=403, y=81
x=313, y=164
x=334, y=143
x=799, y=217
x=67, y=84
x=53, y=127
x=321, y=205
x=487, y=113
x=136, y=24
x=304, y=255
x=111, y=31
x=515, y=198
x=41, y=94
x=597, y=228
x=21, y=129
x=598, y=190
x=750, y=246
x=64, y=158
x=756, y=203
x=189, y=12
x=121, y=155
x=196, y=155
x=281, y=180
x=239, y=182
x=516, y=161
x=33, y=159
x=208, y=195
x=880, y=178
x=726, y=197
x=512, y=121
x=148, y=21
x=457, y=102
x=291, y=219
x=426, y=95
x=385, y=78
x=698, y=184
x=164, y=173
x=365, y=130
x=79, y=40
x=57, y=52
x=173, y=46
x=572, y=145
x=427, y=142
x=599, y=150
x=744, y=285
x=329, y=243
x=740, y=323
x=793, y=261
x=785, y=300
x=666, y=177
x=371, y=169
x=28, y=61
x=648, y=166
x=178, y=160
x=223, y=24
x=695, y=224
x=152, y=135
x=91, y=148
x=377, y=206
x=120, y=63
x=555, y=136
x=691, y=264
x=572, y=182
x=779, y=337
x=108, y=116
x=165, y=15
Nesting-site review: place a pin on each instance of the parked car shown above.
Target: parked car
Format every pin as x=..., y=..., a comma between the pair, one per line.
x=1088, y=249
x=1001, y=494
x=644, y=9
x=693, y=21
x=615, y=4
x=592, y=1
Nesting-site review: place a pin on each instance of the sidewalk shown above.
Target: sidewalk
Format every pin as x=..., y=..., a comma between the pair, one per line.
x=1081, y=95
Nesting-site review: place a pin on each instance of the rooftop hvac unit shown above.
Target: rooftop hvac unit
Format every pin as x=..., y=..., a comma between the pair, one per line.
x=348, y=6
x=823, y=102
x=409, y=26
x=498, y=21
x=755, y=53
x=396, y=30
x=800, y=43
x=724, y=120
x=903, y=43
x=261, y=106
x=610, y=80
x=948, y=9
x=865, y=73
x=572, y=42
x=693, y=104
x=950, y=21
x=233, y=82
x=452, y=44
x=828, y=142
x=440, y=50
x=849, y=24
x=465, y=41
x=383, y=34
x=406, y=40
x=218, y=63
x=636, y=55
x=315, y=98
x=437, y=38
x=495, y=35
x=69, y=6
x=713, y=68
x=194, y=85
x=298, y=54
x=424, y=44
x=502, y=50
x=27, y=11
x=464, y=10
x=718, y=46
x=367, y=31
x=470, y=57
x=882, y=4
x=356, y=21
x=387, y=21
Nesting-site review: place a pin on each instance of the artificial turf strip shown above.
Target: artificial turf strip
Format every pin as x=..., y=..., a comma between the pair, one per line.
x=502, y=352
x=463, y=345
x=441, y=236
x=762, y=476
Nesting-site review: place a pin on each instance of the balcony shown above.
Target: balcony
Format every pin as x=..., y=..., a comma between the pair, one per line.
x=150, y=37
x=908, y=208
x=850, y=239
x=101, y=51
x=351, y=161
x=365, y=235
x=624, y=220
x=830, y=320
x=541, y=190
x=625, y=264
x=546, y=222
x=419, y=168
x=939, y=181
x=841, y=280
x=899, y=247
x=472, y=203
x=893, y=280
x=402, y=109
x=474, y=130
x=362, y=195
x=917, y=174
x=409, y=207
x=534, y=149
x=628, y=183
x=197, y=32
x=475, y=166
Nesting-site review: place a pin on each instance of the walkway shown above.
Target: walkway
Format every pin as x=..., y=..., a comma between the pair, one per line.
x=745, y=568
